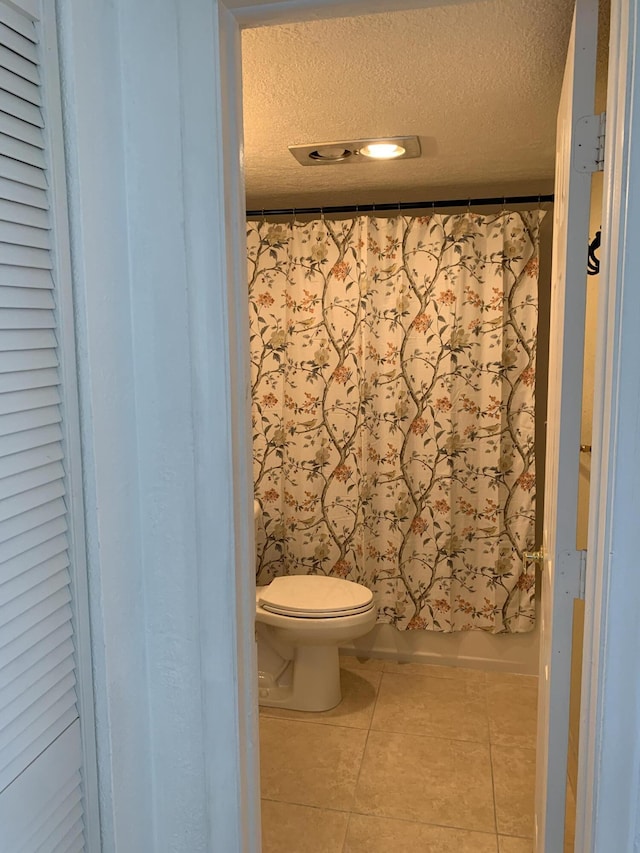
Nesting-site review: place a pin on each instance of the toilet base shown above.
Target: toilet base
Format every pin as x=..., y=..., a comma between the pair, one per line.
x=311, y=682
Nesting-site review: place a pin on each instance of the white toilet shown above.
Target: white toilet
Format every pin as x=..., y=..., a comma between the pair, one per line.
x=300, y=622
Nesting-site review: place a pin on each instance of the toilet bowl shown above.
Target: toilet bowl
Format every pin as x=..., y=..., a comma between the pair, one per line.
x=300, y=622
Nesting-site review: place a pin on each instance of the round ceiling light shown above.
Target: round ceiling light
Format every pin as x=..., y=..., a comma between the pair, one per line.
x=382, y=150
x=330, y=153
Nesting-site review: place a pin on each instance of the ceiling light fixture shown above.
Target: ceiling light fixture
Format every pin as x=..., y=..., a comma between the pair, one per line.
x=382, y=150
x=357, y=151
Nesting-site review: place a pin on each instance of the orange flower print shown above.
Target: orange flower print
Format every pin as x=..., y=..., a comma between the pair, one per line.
x=341, y=270
x=342, y=473
x=269, y=401
x=270, y=496
x=441, y=506
x=422, y=322
x=447, y=297
x=419, y=426
x=418, y=525
x=525, y=582
x=417, y=623
x=527, y=481
x=443, y=404
x=528, y=376
x=341, y=374
x=265, y=299
x=442, y=605
x=341, y=568
x=532, y=267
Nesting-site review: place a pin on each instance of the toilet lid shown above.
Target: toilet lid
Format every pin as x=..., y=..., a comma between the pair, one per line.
x=315, y=596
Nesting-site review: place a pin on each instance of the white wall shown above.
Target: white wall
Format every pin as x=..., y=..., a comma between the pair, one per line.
x=169, y=571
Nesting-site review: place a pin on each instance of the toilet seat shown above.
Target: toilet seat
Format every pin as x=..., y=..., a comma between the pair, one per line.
x=315, y=597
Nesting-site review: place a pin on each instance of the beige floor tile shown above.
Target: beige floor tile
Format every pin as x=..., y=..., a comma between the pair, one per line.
x=429, y=780
x=309, y=763
x=509, y=844
x=435, y=707
x=456, y=673
x=513, y=678
x=512, y=703
x=359, y=691
x=514, y=775
x=353, y=662
x=368, y=834
x=287, y=828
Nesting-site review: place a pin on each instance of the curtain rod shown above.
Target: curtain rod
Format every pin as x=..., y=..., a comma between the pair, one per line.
x=402, y=205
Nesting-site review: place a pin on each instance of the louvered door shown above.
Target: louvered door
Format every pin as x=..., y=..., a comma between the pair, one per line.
x=41, y=756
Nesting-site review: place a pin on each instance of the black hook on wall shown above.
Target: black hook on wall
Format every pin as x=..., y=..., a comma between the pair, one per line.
x=593, y=262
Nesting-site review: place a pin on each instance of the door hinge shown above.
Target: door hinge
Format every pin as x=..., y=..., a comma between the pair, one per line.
x=582, y=586
x=588, y=143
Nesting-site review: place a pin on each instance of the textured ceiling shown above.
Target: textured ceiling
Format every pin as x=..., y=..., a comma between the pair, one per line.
x=479, y=83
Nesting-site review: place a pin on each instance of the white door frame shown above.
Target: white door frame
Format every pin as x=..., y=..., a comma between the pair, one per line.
x=153, y=124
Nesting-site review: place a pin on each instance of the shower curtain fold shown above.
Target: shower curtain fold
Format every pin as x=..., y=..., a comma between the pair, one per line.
x=393, y=378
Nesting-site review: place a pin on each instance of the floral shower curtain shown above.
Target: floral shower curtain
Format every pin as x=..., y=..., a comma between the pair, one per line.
x=393, y=370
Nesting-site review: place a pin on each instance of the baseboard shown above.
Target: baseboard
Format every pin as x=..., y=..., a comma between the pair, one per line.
x=516, y=653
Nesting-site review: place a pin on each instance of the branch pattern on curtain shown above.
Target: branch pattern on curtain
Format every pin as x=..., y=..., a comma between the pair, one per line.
x=393, y=371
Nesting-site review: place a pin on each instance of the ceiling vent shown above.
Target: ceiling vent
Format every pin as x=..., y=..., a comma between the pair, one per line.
x=357, y=151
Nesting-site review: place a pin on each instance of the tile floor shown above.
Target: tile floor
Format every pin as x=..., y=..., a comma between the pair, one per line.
x=415, y=758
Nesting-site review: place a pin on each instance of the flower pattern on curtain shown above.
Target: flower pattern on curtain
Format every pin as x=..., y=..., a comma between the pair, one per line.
x=393, y=374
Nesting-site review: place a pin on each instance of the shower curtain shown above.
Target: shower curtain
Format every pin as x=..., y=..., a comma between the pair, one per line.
x=393, y=374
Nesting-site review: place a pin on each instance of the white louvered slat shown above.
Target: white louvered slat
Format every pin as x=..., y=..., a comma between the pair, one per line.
x=24, y=256
x=24, y=68
x=24, y=235
x=12, y=276
x=21, y=130
x=47, y=549
x=34, y=517
x=67, y=832
x=18, y=504
x=24, y=297
x=15, y=21
x=18, y=817
x=48, y=576
x=27, y=698
x=33, y=398
x=18, y=43
x=23, y=214
x=25, y=360
x=31, y=665
x=26, y=480
x=50, y=616
x=29, y=745
x=30, y=438
x=41, y=810
x=20, y=421
x=26, y=318
x=17, y=85
x=26, y=339
x=16, y=107
x=22, y=172
x=21, y=151
x=16, y=607
x=37, y=457
x=27, y=379
x=15, y=546
x=59, y=805
x=22, y=193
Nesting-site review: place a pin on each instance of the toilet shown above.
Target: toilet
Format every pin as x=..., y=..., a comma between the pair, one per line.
x=300, y=622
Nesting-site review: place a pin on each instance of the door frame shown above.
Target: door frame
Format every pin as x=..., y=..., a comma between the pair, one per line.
x=194, y=202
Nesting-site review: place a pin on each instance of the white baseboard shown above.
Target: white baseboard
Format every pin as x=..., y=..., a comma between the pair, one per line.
x=472, y=649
